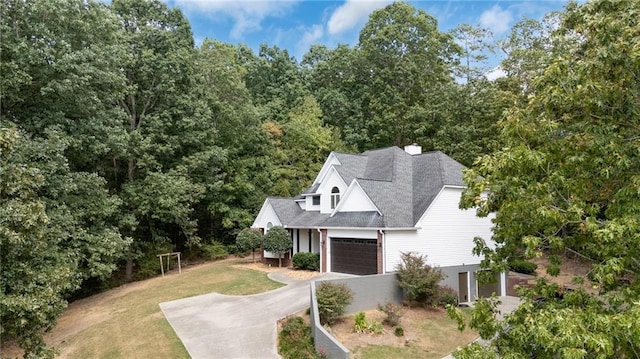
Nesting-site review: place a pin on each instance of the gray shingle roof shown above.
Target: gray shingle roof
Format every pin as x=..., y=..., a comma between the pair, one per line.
x=402, y=186
x=286, y=209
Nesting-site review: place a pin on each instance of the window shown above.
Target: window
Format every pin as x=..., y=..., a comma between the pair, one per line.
x=335, y=197
x=269, y=226
x=316, y=200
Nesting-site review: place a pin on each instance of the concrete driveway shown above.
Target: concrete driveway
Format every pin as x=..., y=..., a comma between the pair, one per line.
x=507, y=305
x=224, y=326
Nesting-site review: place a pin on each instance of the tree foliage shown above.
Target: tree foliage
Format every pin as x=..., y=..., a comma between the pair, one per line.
x=569, y=178
x=418, y=280
x=249, y=239
x=333, y=299
x=278, y=241
x=124, y=140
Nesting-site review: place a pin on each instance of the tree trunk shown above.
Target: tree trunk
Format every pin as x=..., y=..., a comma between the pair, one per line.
x=279, y=260
x=128, y=271
x=253, y=254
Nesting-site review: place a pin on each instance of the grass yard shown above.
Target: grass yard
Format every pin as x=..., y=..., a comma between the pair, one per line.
x=126, y=322
x=429, y=334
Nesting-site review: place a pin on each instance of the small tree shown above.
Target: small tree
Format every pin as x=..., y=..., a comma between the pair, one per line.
x=249, y=239
x=418, y=280
x=332, y=300
x=278, y=241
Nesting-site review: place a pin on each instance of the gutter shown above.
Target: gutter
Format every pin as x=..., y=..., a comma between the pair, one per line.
x=358, y=228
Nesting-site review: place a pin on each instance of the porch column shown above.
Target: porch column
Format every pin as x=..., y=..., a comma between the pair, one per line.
x=323, y=250
x=379, y=252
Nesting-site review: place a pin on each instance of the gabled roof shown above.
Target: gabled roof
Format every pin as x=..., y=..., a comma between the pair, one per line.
x=286, y=208
x=400, y=185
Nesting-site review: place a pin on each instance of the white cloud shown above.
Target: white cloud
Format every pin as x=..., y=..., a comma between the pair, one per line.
x=495, y=73
x=352, y=13
x=246, y=15
x=496, y=19
x=309, y=37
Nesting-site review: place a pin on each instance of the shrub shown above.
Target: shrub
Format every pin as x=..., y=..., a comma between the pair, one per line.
x=447, y=295
x=418, y=280
x=375, y=327
x=249, y=240
x=332, y=301
x=295, y=340
x=215, y=250
x=393, y=313
x=522, y=266
x=362, y=325
x=306, y=261
x=147, y=262
x=277, y=241
x=399, y=331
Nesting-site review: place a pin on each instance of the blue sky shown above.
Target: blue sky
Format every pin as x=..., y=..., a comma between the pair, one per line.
x=296, y=24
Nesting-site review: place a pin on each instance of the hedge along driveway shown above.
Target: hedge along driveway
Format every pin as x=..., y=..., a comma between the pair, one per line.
x=222, y=326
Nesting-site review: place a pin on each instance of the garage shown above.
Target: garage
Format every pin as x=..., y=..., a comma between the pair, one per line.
x=354, y=256
x=485, y=290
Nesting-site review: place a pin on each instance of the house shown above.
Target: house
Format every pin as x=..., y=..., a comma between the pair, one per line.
x=363, y=210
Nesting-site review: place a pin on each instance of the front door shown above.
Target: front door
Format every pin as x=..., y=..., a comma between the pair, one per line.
x=463, y=287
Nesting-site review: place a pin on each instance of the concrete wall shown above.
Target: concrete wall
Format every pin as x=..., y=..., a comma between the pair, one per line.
x=368, y=292
x=451, y=280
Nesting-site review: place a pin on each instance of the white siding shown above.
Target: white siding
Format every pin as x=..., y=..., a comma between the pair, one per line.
x=326, y=167
x=332, y=179
x=266, y=215
x=309, y=206
x=445, y=234
x=355, y=200
x=352, y=233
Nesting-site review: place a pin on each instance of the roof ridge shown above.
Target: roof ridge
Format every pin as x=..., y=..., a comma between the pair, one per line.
x=441, y=168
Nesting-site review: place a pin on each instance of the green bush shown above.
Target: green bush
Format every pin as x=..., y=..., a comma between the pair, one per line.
x=306, y=261
x=399, y=331
x=332, y=299
x=393, y=313
x=522, y=266
x=215, y=250
x=147, y=264
x=295, y=340
x=360, y=325
x=249, y=240
x=418, y=280
x=447, y=295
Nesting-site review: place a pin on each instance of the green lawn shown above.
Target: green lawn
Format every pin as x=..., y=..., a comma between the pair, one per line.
x=127, y=322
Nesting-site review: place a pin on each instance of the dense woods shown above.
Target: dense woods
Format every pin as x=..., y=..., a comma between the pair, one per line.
x=120, y=139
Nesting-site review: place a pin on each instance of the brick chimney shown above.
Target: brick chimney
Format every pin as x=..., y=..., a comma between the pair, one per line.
x=413, y=149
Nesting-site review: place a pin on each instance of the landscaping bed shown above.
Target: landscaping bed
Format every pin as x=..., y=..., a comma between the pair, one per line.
x=428, y=333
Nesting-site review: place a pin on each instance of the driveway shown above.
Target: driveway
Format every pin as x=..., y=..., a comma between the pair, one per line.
x=224, y=326
x=507, y=305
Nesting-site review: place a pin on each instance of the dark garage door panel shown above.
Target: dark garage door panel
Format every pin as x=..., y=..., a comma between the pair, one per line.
x=354, y=256
x=485, y=290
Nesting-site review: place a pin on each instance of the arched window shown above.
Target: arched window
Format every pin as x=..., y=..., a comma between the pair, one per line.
x=269, y=225
x=335, y=197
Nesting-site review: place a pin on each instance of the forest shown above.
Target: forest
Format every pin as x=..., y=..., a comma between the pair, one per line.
x=120, y=138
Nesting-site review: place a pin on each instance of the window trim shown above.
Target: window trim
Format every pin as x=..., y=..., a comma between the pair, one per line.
x=335, y=197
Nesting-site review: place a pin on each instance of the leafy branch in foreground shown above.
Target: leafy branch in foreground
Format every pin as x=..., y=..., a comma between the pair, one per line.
x=568, y=179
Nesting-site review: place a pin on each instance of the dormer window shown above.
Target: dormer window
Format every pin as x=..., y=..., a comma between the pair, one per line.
x=335, y=197
x=315, y=200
